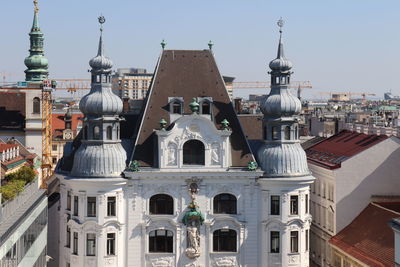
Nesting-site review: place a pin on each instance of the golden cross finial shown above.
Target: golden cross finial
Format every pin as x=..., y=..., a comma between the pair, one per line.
x=35, y=3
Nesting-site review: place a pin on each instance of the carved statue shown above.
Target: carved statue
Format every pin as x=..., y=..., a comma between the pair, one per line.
x=215, y=154
x=193, y=219
x=171, y=154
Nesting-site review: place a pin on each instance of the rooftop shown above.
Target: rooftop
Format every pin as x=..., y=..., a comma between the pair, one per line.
x=369, y=237
x=331, y=152
x=58, y=124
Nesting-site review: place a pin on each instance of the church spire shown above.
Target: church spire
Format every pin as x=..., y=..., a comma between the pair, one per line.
x=281, y=154
x=36, y=63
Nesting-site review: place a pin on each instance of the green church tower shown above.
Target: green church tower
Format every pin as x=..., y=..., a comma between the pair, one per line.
x=36, y=63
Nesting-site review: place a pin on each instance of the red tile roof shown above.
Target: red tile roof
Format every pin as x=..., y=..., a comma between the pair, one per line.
x=369, y=238
x=4, y=147
x=58, y=124
x=331, y=152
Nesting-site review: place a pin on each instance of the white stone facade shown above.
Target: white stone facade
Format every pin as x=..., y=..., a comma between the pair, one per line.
x=133, y=220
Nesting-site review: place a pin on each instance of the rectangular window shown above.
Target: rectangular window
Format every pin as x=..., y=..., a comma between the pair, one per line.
x=275, y=242
x=307, y=240
x=307, y=203
x=75, y=244
x=111, y=201
x=91, y=206
x=294, y=205
x=68, y=237
x=76, y=205
x=275, y=205
x=54, y=147
x=91, y=244
x=111, y=244
x=69, y=200
x=294, y=241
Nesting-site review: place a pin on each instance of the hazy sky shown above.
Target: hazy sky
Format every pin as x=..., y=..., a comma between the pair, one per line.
x=339, y=45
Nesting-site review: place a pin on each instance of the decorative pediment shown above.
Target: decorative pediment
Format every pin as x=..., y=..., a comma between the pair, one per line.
x=193, y=127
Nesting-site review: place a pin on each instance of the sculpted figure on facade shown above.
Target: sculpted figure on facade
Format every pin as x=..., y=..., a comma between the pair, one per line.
x=172, y=154
x=215, y=154
x=193, y=219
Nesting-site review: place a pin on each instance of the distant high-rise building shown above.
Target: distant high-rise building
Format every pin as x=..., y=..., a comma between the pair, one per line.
x=131, y=83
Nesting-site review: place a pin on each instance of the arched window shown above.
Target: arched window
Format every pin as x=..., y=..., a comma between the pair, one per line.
x=96, y=132
x=161, y=241
x=193, y=153
x=161, y=204
x=225, y=203
x=205, y=107
x=274, y=131
x=109, y=132
x=296, y=132
x=287, y=133
x=224, y=240
x=85, y=133
x=36, y=105
x=177, y=107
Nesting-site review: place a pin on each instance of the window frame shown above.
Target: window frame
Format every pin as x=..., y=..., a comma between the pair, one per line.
x=220, y=204
x=36, y=105
x=111, y=209
x=193, y=153
x=75, y=244
x=68, y=237
x=221, y=240
x=76, y=206
x=111, y=244
x=156, y=209
x=92, y=240
x=167, y=239
x=91, y=204
x=294, y=241
x=275, y=238
x=277, y=209
x=294, y=205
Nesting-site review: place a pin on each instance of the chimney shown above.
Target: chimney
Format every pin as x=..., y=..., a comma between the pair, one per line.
x=125, y=107
x=238, y=105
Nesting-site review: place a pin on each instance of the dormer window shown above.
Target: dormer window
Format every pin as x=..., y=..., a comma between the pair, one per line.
x=205, y=107
x=176, y=107
x=193, y=153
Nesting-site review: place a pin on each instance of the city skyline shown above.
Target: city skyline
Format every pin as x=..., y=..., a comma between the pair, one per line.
x=245, y=36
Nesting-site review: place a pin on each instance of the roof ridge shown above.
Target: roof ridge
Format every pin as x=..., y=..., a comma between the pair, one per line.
x=384, y=208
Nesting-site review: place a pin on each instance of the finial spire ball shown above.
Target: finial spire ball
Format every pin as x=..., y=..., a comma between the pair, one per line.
x=280, y=24
x=102, y=20
x=35, y=3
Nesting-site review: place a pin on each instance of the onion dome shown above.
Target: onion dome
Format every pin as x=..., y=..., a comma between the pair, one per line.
x=280, y=63
x=281, y=104
x=100, y=160
x=283, y=159
x=101, y=102
x=100, y=62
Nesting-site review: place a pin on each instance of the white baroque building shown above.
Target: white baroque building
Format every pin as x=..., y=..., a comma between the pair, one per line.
x=185, y=189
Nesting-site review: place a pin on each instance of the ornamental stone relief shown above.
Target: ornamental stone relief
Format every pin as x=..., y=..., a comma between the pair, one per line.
x=225, y=262
x=162, y=262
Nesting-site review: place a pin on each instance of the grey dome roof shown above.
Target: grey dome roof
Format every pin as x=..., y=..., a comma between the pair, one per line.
x=101, y=101
x=99, y=160
x=281, y=104
x=280, y=159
